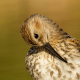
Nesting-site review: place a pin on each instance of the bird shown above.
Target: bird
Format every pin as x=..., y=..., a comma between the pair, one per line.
x=54, y=54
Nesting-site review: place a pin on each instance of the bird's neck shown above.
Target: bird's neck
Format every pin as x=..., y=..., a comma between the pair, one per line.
x=58, y=39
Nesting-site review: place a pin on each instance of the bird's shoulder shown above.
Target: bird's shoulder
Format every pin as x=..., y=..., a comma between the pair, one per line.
x=73, y=46
x=75, y=42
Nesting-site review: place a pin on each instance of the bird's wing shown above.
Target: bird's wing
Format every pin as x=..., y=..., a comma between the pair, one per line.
x=75, y=43
x=73, y=47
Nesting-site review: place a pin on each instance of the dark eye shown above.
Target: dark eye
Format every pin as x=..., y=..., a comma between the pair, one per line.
x=36, y=36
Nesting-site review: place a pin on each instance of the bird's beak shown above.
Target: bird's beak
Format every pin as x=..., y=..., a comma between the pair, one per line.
x=53, y=52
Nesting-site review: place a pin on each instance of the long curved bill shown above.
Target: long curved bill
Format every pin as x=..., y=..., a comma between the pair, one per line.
x=53, y=52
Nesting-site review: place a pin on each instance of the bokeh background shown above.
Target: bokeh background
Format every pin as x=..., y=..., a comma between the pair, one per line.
x=13, y=49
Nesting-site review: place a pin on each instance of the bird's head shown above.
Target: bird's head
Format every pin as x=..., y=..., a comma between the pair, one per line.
x=37, y=30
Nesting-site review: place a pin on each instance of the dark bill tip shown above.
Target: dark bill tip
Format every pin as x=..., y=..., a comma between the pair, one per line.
x=53, y=52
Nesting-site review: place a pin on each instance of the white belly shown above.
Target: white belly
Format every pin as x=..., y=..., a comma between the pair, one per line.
x=43, y=66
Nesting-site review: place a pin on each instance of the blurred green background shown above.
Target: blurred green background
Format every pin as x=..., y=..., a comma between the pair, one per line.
x=13, y=49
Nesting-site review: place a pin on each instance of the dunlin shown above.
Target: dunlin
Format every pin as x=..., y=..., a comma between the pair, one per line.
x=54, y=55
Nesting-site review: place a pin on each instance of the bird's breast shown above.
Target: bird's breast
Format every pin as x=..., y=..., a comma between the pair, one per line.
x=40, y=65
x=43, y=66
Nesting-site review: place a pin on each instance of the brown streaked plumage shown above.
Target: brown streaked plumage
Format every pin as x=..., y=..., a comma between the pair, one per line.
x=54, y=54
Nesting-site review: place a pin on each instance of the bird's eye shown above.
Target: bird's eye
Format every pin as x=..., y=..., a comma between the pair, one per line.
x=36, y=36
